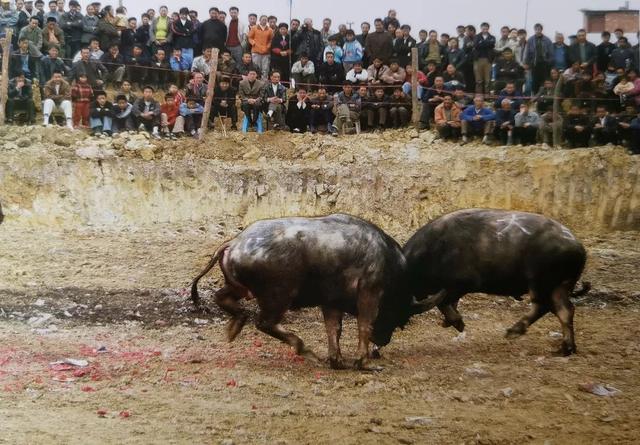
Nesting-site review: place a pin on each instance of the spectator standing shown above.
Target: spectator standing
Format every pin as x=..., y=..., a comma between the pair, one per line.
x=583, y=51
x=352, y=49
x=538, y=57
x=260, y=37
x=483, y=57
x=182, y=32
x=213, y=32
x=604, y=50
x=560, y=53
x=161, y=30
x=379, y=43
x=89, y=26
x=81, y=97
x=107, y=31
x=308, y=40
x=237, y=35
x=71, y=23
x=281, y=52
x=326, y=31
x=93, y=69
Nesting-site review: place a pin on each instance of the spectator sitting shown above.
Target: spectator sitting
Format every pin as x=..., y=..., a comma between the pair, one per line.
x=353, y=51
x=399, y=108
x=477, y=120
x=22, y=62
x=146, y=111
x=125, y=90
x=247, y=65
x=422, y=82
x=527, y=125
x=357, y=74
x=250, y=92
x=81, y=96
x=93, y=69
x=577, y=129
x=303, y=71
x=20, y=98
x=545, y=97
x=298, y=111
x=100, y=115
x=169, y=111
x=331, y=73
x=52, y=35
x=95, y=53
x=224, y=102
x=634, y=128
x=374, y=108
x=160, y=69
x=181, y=66
x=191, y=112
x=228, y=67
x=333, y=48
x=122, y=116
x=430, y=100
x=113, y=62
x=447, y=119
x=508, y=70
x=320, y=113
x=51, y=63
x=605, y=127
x=503, y=130
x=452, y=78
x=202, y=63
x=612, y=77
x=431, y=73
x=510, y=93
x=550, y=122
x=196, y=88
x=346, y=109
x=395, y=75
x=178, y=95
x=57, y=95
x=461, y=99
x=624, y=124
x=275, y=97
x=377, y=71
x=33, y=34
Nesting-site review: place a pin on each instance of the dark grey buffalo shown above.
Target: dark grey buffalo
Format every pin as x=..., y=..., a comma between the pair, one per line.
x=502, y=253
x=338, y=262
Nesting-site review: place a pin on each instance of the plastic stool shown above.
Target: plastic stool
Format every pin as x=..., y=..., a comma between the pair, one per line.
x=245, y=124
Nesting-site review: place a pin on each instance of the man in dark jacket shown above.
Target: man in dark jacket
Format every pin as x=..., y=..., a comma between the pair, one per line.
x=538, y=57
x=482, y=57
x=331, y=74
x=213, y=32
x=583, y=52
x=577, y=128
x=281, y=51
x=379, y=43
x=22, y=62
x=113, y=62
x=182, y=31
x=146, y=110
x=298, y=111
x=93, y=69
x=50, y=64
x=605, y=127
x=100, y=114
x=604, y=50
x=137, y=66
x=308, y=40
x=508, y=70
x=402, y=47
x=71, y=23
x=20, y=98
x=224, y=102
x=622, y=56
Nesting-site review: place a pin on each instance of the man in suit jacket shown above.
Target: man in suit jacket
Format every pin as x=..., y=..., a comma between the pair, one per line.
x=275, y=97
x=250, y=90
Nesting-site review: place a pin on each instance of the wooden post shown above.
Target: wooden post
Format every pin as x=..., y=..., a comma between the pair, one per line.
x=557, y=131
x=4, y=85
x=415, y=115
x=210, y=87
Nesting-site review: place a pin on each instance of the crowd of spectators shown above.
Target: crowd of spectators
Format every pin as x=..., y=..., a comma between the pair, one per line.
x=100, y=68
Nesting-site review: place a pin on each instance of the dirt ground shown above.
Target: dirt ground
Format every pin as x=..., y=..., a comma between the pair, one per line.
x=159, y=373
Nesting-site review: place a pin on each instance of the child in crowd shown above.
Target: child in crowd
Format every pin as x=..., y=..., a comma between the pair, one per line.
x=81, y=95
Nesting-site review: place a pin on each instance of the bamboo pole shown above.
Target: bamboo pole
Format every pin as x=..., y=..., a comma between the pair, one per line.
x=4, y=85
x=557, y=130
x=210, y=88
x=415, y=112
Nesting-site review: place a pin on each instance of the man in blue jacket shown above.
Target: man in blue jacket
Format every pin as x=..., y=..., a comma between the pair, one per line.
x=477, y=120
x=539, y=56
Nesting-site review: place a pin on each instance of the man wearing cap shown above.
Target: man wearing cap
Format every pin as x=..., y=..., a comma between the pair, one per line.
x=71, y=23
x=52, y=35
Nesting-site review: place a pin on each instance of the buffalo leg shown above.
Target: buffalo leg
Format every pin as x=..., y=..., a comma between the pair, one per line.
x=269, y=322
x=227, y=299
x=333, y=325
x=539, y=308
x=367, y=313
x=451, y=315
x=564, y=310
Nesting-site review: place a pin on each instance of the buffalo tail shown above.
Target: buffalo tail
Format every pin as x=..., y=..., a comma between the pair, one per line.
x=194, y=284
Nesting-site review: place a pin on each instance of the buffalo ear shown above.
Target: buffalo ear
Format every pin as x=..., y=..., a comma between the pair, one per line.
x=422, y=306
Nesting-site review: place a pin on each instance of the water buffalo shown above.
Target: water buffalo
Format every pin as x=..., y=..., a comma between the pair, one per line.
x=338, y=262
x=502, y=253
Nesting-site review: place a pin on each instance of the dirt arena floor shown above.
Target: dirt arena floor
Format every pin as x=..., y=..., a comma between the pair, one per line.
x=158, y=373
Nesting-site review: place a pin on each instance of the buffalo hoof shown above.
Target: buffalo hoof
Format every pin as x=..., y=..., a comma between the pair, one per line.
x=375, y=353
x=515, y=331
x=567, y=350
x=459, y=325
x=337, y=363
x=234, y=327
